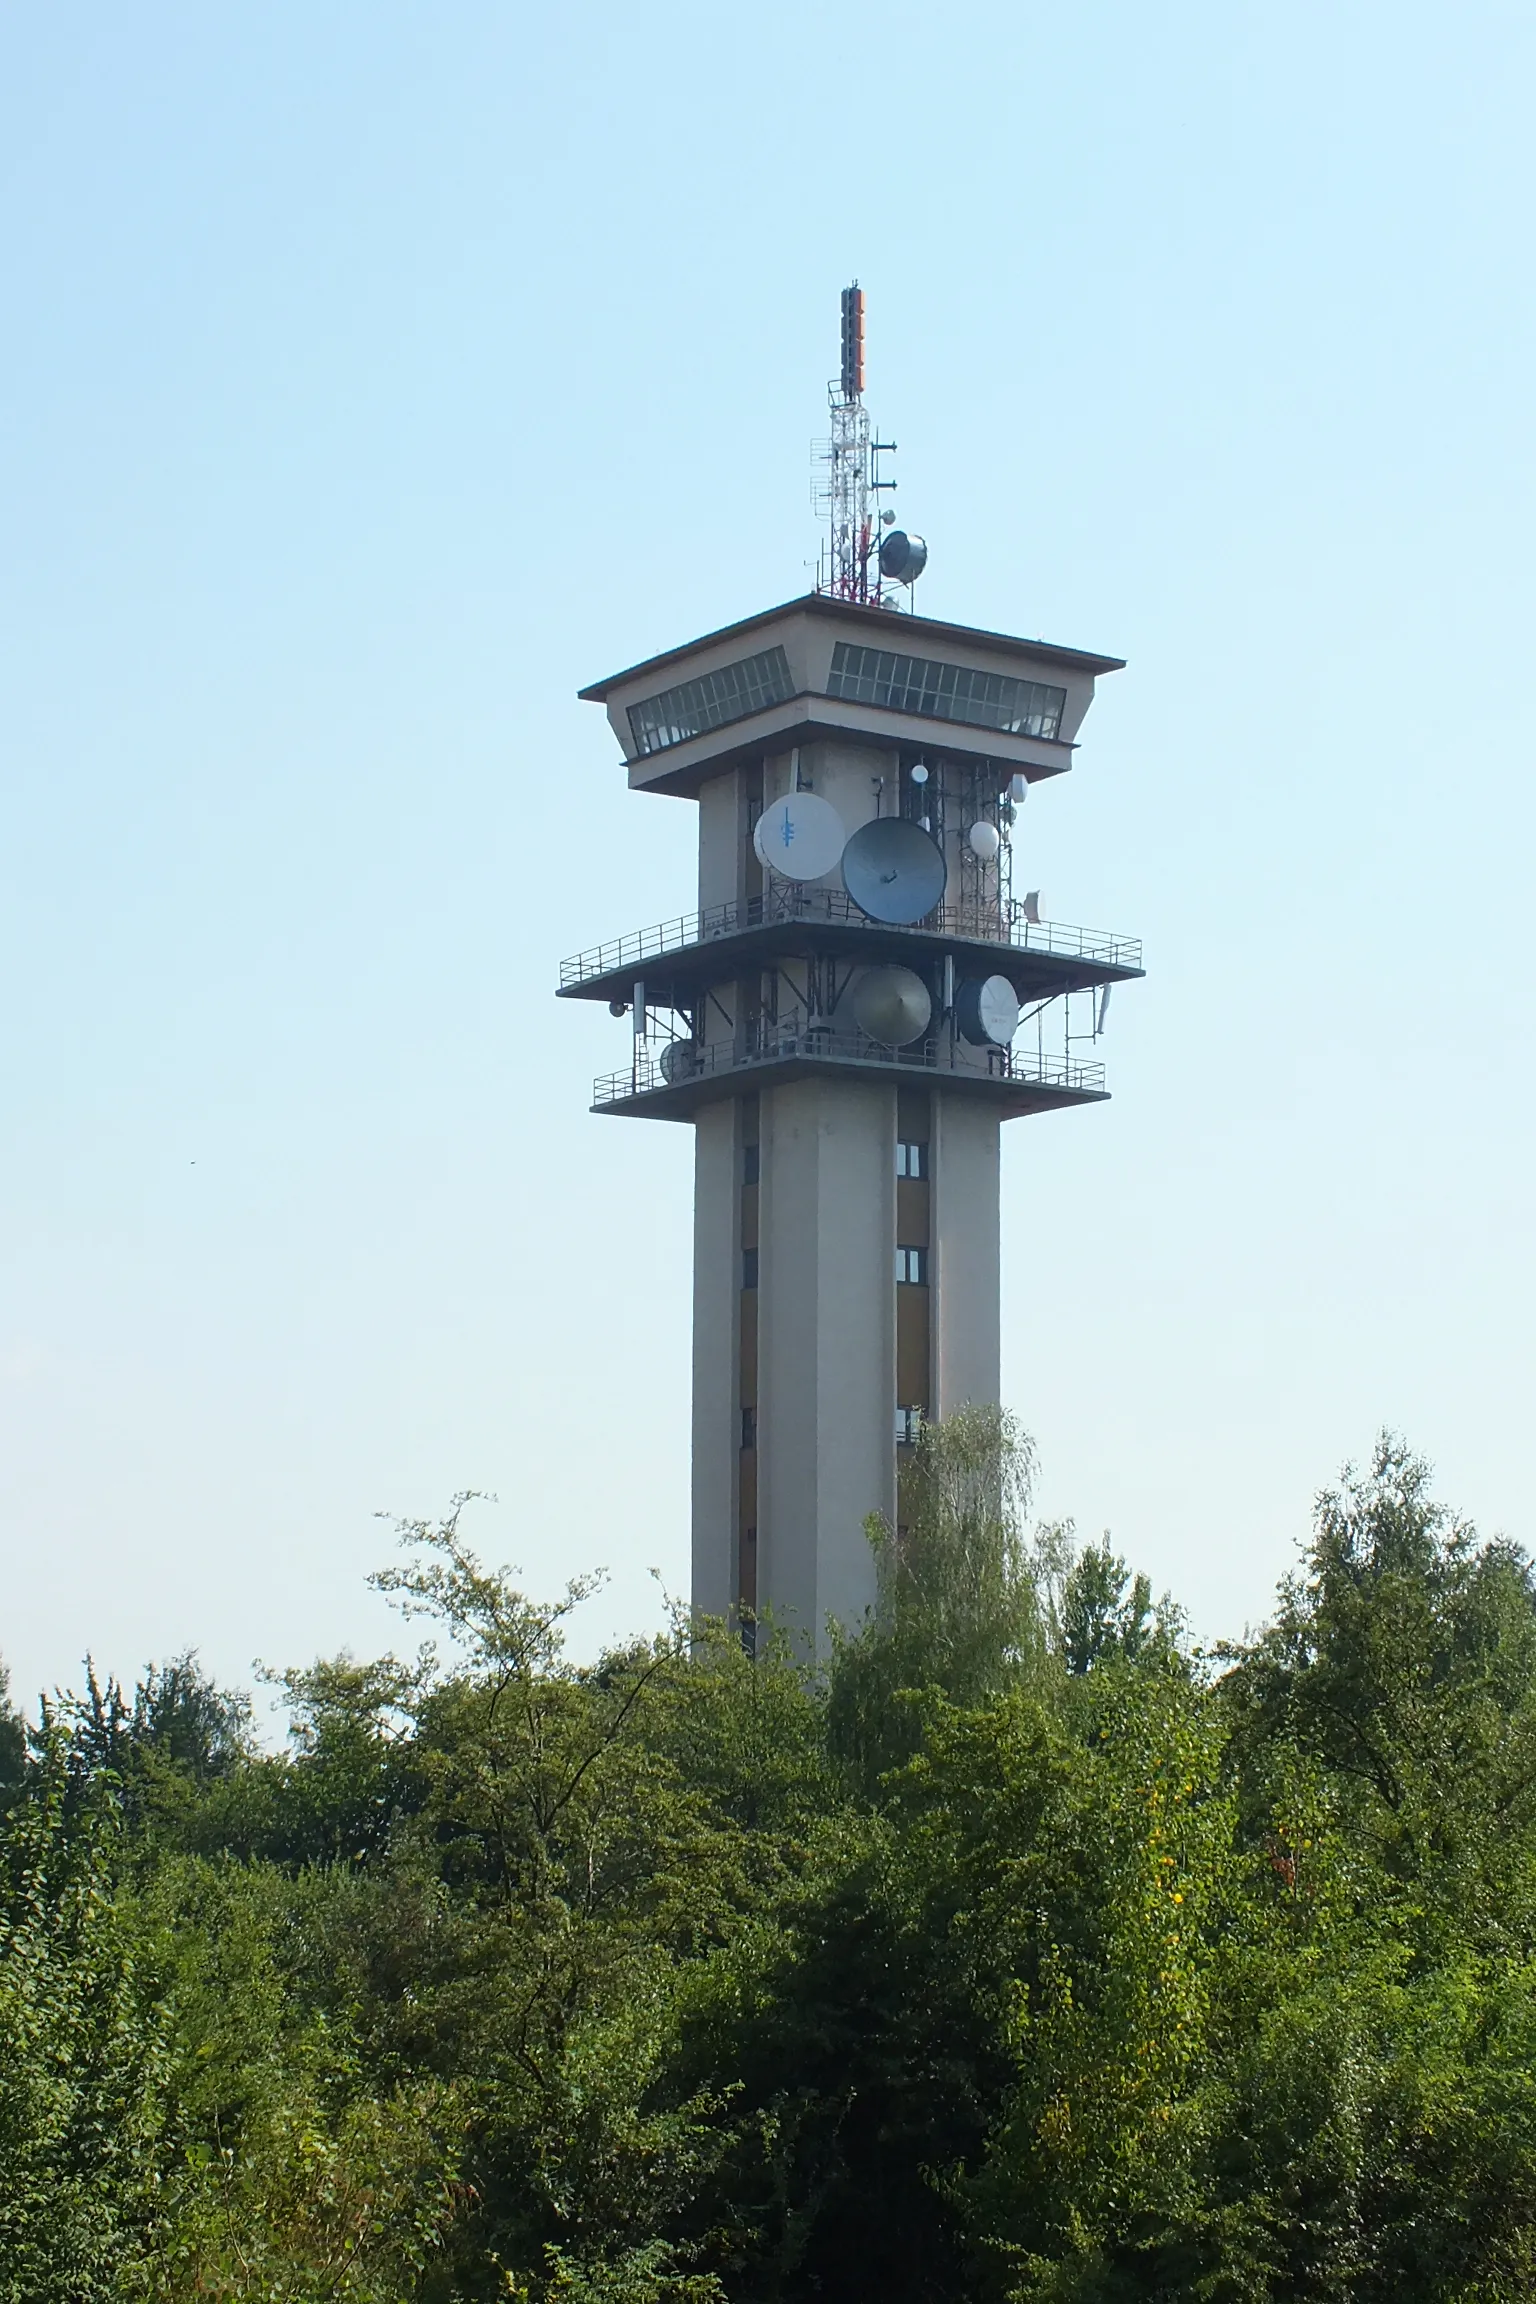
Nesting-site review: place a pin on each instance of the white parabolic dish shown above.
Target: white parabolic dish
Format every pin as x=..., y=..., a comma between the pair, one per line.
x=800, y=837
x=988, y=1011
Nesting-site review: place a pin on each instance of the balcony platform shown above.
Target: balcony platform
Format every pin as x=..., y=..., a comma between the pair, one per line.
x=1015, y=1084
x=680, y=958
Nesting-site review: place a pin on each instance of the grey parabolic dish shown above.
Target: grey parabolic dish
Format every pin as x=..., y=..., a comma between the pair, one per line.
x=894, y=871
x=891, y=1005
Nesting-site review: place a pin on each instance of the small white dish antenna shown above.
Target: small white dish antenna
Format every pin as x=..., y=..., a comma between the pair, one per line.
x=800, y=837
x=1018, y=790
x=891, y=1004
x=984, y=841
x=919, y=774
x=894, y=871
x=987, y=1011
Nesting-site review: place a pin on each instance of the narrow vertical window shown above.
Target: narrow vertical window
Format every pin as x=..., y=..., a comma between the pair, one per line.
x=749, y=1267
x=912, y=1267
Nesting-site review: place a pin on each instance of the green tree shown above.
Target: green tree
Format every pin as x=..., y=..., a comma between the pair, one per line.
x=83, y=2051
x=1107, y=1613
x=959, y=1605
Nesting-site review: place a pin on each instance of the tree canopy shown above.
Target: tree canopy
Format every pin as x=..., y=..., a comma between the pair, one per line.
x=1020, y=1954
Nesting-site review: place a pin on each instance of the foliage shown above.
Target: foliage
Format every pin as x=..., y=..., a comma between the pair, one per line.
x=1017, y=1954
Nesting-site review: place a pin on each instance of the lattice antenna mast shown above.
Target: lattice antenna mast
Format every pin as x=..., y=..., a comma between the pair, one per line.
x=851, y=487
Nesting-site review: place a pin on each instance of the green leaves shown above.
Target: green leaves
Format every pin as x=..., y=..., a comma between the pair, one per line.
x=1014, y=1959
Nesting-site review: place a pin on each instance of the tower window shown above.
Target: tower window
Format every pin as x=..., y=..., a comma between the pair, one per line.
x=731, y=693
x=749, y=1267
x=945, y=691
x=912, y=1267
x=912, y=1160
x=749, y=1439
x=909, y=1425
x=750, y=1163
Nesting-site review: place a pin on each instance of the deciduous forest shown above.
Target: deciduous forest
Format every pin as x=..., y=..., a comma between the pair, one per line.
x=1018, y=1951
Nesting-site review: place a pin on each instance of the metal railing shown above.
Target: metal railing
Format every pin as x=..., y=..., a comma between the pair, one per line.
x=788, y=901
x=682, y=1061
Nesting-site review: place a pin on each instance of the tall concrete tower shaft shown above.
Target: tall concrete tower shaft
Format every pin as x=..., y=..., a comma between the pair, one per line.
x=846, y=1045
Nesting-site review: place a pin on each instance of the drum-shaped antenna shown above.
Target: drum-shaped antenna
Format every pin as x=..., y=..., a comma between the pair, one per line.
x=893, y=871
x=800, y=837
x=891, y=1004
x=679, y=1061
x=987, y=1011
x=902, y=557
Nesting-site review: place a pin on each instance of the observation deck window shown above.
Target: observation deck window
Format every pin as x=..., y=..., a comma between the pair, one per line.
x=935, y=691
x=711, y=701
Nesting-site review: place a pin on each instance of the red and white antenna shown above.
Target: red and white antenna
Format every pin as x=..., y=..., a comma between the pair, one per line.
x=865, y=557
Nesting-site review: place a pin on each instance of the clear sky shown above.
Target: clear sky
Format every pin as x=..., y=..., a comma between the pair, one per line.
x=375, y=375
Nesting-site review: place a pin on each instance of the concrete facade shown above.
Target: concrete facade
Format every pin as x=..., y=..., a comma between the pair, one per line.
x=967, y=1266
x=716, y=1373
x=827, y=1383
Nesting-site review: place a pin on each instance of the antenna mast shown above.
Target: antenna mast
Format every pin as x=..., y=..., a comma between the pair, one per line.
x=849, y=567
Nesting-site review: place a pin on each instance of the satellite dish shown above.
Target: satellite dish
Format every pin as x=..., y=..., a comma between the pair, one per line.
x=984, y=841
x=987, y=1011
x=893, y=871
x=679, y=1061
x=891, y=1004
x=902, y=557
x=800, y=837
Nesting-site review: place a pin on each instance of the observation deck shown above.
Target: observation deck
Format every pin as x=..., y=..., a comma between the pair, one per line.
x=1014, y=1082
x=819, y=668
x=681, y=957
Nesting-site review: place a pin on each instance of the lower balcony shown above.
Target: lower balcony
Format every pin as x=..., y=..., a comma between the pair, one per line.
x=672, y=1084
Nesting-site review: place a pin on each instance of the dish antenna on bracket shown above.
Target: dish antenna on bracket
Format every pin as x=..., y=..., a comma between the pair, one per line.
x=894, y=871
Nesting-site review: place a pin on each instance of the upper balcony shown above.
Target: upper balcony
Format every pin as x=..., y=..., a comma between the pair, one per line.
x=678, y=958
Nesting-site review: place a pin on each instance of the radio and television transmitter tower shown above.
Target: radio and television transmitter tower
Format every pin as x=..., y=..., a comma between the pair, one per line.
x=859, y=1002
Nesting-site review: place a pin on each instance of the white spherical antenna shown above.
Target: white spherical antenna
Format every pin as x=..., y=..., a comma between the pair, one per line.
x=987, y=1011
x=800, y=837
x=891, y=1004
x=984, y=841
x=894, y=871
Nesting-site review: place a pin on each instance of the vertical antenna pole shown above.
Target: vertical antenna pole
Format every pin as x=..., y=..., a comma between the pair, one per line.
x=848, y=485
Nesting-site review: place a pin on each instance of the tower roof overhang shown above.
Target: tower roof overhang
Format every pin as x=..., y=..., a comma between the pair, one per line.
x=895, y=626
x=796, y=643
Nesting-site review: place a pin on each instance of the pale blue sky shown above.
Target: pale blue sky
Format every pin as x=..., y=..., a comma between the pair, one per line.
x=374, y=376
